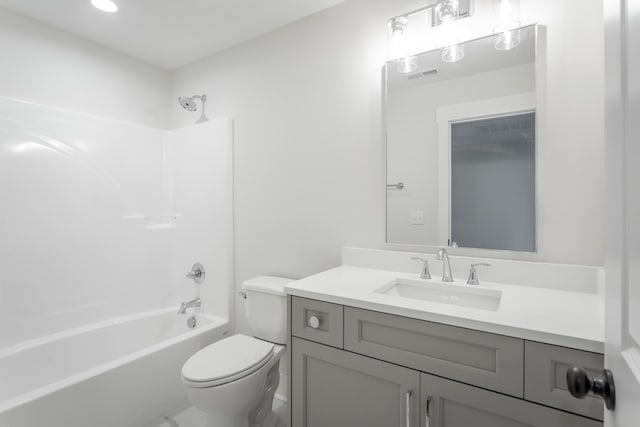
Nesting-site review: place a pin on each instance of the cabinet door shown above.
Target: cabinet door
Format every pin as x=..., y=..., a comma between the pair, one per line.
x=332, y=387
x=545, y=378
x=453, y=404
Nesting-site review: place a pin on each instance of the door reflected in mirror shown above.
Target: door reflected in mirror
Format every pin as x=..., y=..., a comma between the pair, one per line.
x=493, y=188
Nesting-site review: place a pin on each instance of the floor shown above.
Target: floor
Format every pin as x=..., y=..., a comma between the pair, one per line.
x=192, y=417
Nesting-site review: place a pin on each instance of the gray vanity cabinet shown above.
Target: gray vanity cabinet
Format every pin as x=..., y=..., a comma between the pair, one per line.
x=336, y=388
x=453, y=404
x=352, y=367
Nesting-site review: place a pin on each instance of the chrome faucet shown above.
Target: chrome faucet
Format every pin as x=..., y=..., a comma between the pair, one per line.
x=189, y=304
x=425, y=267
x=443, y=256
x=473, y=273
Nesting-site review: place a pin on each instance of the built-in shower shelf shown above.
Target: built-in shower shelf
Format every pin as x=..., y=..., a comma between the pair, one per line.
x=156, y=223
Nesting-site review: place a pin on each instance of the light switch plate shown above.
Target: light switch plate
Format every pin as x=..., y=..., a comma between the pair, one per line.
x=417, y=217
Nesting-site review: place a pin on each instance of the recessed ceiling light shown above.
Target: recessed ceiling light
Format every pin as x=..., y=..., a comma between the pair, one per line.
x=105, y=5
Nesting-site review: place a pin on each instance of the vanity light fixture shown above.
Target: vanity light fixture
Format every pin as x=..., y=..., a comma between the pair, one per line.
x=507, y=13
x=447, y=13
x=105, y=5
x=398, y=45
x=441, y=15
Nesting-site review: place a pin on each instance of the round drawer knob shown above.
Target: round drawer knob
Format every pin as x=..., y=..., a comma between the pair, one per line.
x=314, y=322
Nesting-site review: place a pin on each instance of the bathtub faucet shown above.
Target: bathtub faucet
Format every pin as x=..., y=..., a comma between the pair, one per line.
x=193, y=303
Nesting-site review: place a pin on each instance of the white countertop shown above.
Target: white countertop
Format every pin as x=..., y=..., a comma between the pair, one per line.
x=559, y=317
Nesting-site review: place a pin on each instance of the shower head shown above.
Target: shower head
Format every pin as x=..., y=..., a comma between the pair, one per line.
x=189, y=104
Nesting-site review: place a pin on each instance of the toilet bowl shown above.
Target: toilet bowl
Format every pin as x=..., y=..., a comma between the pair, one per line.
x=235, y=379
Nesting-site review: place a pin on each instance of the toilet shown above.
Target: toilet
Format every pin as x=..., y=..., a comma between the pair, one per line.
x=235, y=379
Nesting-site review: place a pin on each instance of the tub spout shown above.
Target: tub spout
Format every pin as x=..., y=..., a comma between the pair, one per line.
x=193, y=303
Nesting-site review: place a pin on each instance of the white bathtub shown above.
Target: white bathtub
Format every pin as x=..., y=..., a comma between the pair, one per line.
x=123, y=372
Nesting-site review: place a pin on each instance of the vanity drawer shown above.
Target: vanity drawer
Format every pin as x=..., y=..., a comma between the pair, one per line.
x=545, y=377
x=486, y=360
x=317, y=321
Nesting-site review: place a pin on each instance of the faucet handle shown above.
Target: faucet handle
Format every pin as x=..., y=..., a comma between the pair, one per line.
x=197, y=273
x=473, y=273
x=480, y=264
x=425, y=274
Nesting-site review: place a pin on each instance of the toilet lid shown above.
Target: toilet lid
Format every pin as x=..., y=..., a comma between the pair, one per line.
x=229, y=357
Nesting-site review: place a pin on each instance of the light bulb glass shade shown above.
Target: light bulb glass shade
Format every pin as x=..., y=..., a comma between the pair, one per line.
x=453, y=53
x=508, y=40
x=507, y=15
x=408, y=64
x=449, y=41
x=105, y=5
x=397, y=42
x=447, y=10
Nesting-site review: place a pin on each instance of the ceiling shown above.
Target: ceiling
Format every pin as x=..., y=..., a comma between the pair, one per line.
x=169, y=33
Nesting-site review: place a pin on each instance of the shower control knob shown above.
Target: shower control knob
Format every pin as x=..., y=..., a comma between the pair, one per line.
x=314, y=322
x=196, y=273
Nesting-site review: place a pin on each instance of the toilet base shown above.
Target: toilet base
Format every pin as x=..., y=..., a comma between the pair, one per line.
x=213, y=421
x=261, y=416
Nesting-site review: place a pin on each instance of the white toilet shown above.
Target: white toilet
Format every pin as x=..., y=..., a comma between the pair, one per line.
x=234, y=380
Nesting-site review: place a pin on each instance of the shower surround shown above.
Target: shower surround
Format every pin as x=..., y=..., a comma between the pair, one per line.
x=101, y=220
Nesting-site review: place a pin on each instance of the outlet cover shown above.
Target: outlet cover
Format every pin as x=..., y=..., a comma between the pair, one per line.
x=417, y=217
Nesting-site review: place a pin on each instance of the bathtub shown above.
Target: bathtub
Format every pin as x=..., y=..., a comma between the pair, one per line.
x=122, y=372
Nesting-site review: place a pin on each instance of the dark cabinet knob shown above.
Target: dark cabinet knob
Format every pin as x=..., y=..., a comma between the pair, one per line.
x=580, y=384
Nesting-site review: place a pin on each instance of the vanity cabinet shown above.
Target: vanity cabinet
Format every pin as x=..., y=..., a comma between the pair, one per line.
x=332, y=387
x=356, y=367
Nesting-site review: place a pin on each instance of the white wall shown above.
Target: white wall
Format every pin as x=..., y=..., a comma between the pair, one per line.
x=309, y=159
x=306, y=103
x=47, y=66
x=571, y=87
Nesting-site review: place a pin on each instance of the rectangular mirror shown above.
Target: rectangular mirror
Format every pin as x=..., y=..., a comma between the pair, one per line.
x=461, y=148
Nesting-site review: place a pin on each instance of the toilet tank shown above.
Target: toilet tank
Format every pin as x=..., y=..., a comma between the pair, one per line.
x=266, y=307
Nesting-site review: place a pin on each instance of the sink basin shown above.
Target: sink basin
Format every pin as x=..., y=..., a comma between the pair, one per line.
x=444, y=293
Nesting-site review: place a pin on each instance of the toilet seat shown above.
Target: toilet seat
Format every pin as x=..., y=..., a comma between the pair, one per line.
x=227, y=360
